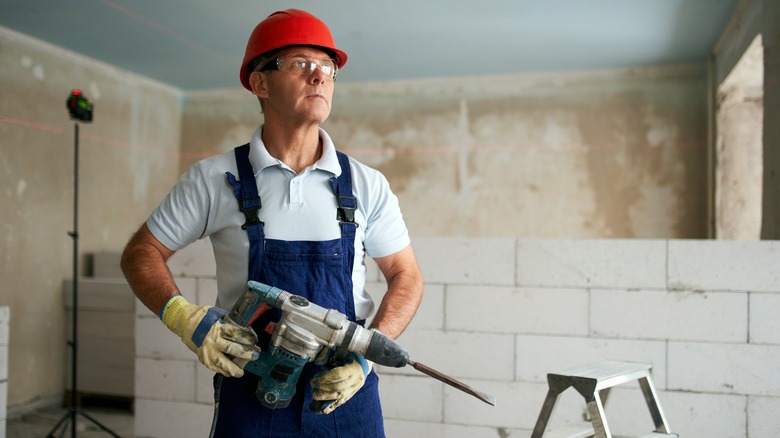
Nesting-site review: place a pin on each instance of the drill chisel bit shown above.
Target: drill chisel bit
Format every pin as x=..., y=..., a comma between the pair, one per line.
x=487, y=398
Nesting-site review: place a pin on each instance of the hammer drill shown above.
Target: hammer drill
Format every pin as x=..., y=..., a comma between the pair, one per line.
x=299, y=337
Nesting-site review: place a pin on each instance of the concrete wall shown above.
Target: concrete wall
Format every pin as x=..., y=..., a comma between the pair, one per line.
x=591, y=154
x=499, y=314
x=739, y=158
x=5, y=315
x=128, y=161
x=751, y=18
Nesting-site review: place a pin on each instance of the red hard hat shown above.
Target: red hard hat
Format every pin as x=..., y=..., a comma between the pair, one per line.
x=291, y=27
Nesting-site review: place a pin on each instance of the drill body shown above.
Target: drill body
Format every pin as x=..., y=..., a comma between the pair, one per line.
x=300, y=335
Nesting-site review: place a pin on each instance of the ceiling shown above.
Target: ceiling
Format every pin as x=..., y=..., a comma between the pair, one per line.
x=199, y=44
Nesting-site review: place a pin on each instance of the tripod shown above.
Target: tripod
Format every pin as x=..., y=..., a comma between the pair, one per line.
x=75, y=409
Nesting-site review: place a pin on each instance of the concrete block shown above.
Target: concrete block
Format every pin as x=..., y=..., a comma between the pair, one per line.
x=460, y=354
x=155, y=418
x=188, y=288
x=169, y=380
x=467, y=261
x=141, y=311
x=724, y=368
x=107, y=264
x=706, y=415
x=517, y=404
x=3, y=400
x=592, y=263
x=103, y=294
x=404, y=428
x=724, y=265
x=108, y=351
x=207, y=291
x=204, y=385
x=153, y=340
x=539, y=355
x=626, y=411
x=764, y=323
x=98, y=324
x=105, y=334
x=415, y=398
x=681, y=315
x=430, y=314
x=763, y=420
x=195, y=260
x=517, y=310
x=101, y=378
x=3, y=363
x=5, y=324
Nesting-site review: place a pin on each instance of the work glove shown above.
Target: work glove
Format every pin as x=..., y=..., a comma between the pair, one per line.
x=216, y=342
x=339, y=384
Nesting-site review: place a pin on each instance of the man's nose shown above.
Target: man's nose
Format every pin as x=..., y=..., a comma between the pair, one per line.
x=317, y=76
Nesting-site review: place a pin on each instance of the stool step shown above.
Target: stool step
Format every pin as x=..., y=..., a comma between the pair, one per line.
x=608, y=374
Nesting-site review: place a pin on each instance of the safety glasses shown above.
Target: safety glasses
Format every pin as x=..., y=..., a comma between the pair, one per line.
x=300, y=65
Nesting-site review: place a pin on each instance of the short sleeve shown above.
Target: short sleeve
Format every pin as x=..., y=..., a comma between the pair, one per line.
x=182, y=216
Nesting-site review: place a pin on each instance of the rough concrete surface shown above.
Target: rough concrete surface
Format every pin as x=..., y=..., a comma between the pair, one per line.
x=40, y=422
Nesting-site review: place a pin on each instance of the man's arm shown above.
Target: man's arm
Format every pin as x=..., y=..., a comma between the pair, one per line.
x=404, y=292
x=144, y=265
x=199, y=327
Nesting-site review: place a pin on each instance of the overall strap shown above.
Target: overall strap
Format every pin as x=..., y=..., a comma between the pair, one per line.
x=347, y=204
x=342, y=188
x=245, y=191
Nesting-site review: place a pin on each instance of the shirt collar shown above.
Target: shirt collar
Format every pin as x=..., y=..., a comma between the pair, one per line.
x=261, y=159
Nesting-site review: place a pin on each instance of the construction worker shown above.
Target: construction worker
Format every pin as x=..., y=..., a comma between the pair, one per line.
x=290, y=211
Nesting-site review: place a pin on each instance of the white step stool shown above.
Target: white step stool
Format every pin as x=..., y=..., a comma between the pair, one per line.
x=594, y=382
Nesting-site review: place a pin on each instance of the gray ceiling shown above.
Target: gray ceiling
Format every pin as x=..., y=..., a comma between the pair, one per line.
x=199, y=44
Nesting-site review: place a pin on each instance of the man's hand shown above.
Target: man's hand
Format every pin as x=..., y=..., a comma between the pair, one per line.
x=339, y=384
x=215, y=342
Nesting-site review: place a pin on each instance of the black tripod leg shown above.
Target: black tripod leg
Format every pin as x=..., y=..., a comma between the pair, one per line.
x=60, y=423
x=97, y=423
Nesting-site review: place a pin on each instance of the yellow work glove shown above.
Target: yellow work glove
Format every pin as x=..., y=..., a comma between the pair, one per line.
x=216, y=342
x=339, y=384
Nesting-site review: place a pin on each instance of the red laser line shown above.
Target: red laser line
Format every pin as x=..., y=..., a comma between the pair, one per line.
x=87, y=136
x=188, y=156
x=31, y=124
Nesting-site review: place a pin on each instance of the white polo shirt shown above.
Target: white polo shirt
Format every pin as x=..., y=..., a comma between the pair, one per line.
x=294, y=207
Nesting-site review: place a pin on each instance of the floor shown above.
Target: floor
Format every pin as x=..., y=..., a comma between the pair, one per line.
x=41, y=423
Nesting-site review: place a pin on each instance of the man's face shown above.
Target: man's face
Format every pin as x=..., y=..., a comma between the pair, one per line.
x=294, y=96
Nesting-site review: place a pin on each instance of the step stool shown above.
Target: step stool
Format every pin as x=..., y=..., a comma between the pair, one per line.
x=594, y=382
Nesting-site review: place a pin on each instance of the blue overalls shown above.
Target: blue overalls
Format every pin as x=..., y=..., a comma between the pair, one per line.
x=321, y=271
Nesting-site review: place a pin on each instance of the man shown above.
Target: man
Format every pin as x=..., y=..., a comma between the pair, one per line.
x=289, y=211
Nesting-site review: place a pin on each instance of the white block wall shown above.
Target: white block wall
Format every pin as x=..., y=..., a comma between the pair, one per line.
x=5, y=315
x=499, y=314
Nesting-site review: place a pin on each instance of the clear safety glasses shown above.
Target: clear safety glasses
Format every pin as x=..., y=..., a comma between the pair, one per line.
x=300, y=65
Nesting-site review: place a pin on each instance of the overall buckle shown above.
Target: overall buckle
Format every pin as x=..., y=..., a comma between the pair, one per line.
x=346, y=209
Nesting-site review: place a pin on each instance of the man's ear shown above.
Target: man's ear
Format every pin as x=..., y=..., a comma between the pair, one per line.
x=259, y=84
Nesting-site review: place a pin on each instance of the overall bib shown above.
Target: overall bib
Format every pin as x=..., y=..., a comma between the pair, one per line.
x=320, y=271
